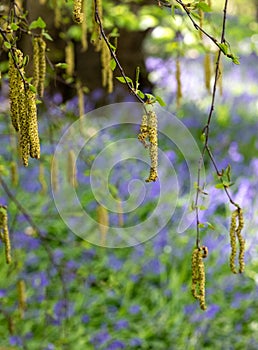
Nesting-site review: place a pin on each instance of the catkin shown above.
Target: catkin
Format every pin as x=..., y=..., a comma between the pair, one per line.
x=153, y=147
x=198, y=275
x=103, y=221
x=179, y=94
x=69, y=58
x=21, y=297
x=16, y=85
x=42, y=65
x=32, y=124
x=144, y=132
x=14, y=174
x=42, y=179
x=235, y=234
x=71, y=169
x=107, y=73
x=4, y=233
x=84, y=41
x=207, y=71
x=80, y=98
x=201, y=18
x=77, y=11
x=36, y=62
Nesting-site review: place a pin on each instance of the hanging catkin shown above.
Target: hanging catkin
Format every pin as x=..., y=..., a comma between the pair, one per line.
x=84, y=41
x=153, y=147
x=71, y=169
x=107, y=73
x=32, y=124
x=21, y=287
x=80, y=95
x=69, y=58
x=207, y=71
x=42, y=65
x=16, y=86
x=179, y=94
x=103, y=221
x=198, y=275
x=235, y=234
x=144, y=132
x=77, y=11
x=4, y=233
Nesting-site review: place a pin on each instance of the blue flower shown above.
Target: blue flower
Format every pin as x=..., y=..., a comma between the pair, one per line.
x=134, y=309
x=116, y=344
x=135, y=342
x=15, y=340
x=85, y=319
x=120, y=324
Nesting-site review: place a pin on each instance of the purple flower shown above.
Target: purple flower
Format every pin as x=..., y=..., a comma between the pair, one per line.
x=116, y=344
x=135, y=342
x=63, y=309
x=15, y=340
x=121, y=324
x=85, y=319
x=2, y=293
x=40, y=280
x=134, y=309
x=100, y=337
x=115, y=263
x=212, y=311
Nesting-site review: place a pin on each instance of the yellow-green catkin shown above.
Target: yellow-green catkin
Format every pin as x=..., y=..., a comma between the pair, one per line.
x=241, y=240
x=57, y=14
x=236, y=234
x=77, y=11
x=4, y=233
x=21, y=287
x=42, y=65
x=107, y=73
x=144, y=132
x=198, y=275
x=69, y=58
x=84, y=40
x=71, y=169
x=96, y=35
x=42, y=179
x=80, y=95
x=201, y=18
x=14, y=174
x=207, y=71
x=36, y=62
x=24, y=126
x=32, y=124
x=103, y=221
x=179, y=94
x=153, y=147
x=54, y=175
x=16, y=86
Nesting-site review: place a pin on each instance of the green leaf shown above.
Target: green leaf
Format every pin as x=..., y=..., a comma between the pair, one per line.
x=140, y=94
x=7, y=45
x=224, y=48
x=32, y=88
x=113, y=64
x=219, y=186
x=201, y=225
x=14, y=26
x=61, y=65
x=47, y=36
x=122, y=80
x=160, y=101
x=39, y=23
x=204, y=7
x=212, y=227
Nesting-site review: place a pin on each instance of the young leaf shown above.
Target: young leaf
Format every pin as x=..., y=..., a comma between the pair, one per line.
x=113, y=64
x=14, y=26
x=7, y=45
x=160, y=101
x=39, y=23
x=122, y=80
x=204, y=7
x=47, y=36
x=61, y=65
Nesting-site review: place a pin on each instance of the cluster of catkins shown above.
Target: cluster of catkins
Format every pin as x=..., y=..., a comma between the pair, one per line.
x=149, y=129
x=235, y=234
x=23, y=107
x=198, y=275
x=4, y=233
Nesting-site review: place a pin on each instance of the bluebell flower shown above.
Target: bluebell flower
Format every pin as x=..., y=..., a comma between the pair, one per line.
x=116, y=344
x=134, y=309
x=115, y=263
x=100, y=338
x=135, y=342
x=15, y=340
x=85, y=319
x=121, y=324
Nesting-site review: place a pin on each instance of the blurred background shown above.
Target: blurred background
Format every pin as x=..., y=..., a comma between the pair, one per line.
x=81, y=296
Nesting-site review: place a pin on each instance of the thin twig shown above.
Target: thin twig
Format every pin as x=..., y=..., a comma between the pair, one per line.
x=206, y=132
